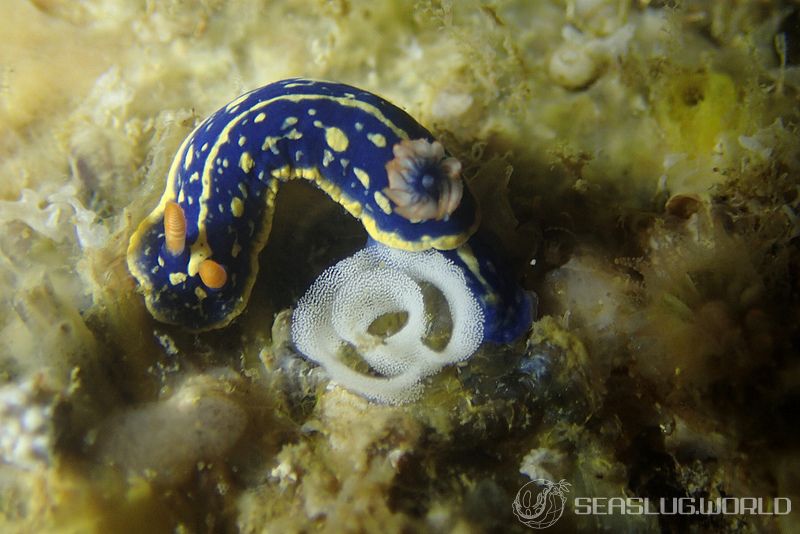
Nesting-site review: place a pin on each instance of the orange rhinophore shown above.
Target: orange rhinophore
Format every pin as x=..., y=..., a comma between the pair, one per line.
x=212, y=274
x=174, y=228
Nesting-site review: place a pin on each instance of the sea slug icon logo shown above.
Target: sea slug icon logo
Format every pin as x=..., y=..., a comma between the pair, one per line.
x=540, y=503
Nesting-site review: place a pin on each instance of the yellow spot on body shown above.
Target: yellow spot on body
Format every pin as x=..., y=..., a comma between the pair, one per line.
x=359, y=126
x=181, y=196
x=312, y=111
x=194, y=177
x=243, y=189
x=294, y=135
x=383, y=203
x=200, y=293
x=242, y=140
x=377, y=139
x=200, y=251
x=225, y=163
x=336, y=139
x=246, y=162
x=327, y=157
x=260, y=117
x=270, y=144
x=318, y=124
x=289, y=122
x=190, y=200
x=237, y=207
x=221, y=208
x=161, y=261
x=187, y=161
x=177, y=278
x=298, y=155
x=204, y=147
x=363, y=177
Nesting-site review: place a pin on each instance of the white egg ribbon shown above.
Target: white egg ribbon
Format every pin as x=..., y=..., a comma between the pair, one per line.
x=347, y=298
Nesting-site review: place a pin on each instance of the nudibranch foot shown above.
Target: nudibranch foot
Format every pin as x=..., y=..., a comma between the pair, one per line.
x=508, y=309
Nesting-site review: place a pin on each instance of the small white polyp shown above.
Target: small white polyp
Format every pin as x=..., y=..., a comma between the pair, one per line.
x=347, y=298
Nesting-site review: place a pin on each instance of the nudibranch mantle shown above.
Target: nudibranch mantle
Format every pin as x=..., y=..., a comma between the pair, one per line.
x=370, y=156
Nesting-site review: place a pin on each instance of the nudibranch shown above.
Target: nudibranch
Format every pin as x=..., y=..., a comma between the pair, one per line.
x=195, y=255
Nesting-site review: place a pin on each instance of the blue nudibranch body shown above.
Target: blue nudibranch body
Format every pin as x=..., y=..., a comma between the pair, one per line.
x=196, y=255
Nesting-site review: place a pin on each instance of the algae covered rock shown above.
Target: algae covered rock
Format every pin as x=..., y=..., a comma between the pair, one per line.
x=636, y=162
